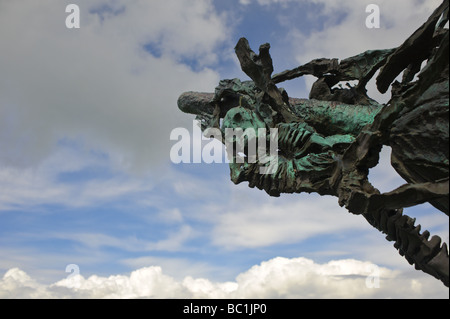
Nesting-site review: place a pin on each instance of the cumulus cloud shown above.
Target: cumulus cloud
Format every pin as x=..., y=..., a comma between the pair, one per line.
x=276, y=278
x=17, y=284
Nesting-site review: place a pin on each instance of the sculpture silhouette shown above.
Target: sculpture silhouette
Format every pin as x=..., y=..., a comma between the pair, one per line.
x=328, y=143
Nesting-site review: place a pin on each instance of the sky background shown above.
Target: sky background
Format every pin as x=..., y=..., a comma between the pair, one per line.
x=85, y=172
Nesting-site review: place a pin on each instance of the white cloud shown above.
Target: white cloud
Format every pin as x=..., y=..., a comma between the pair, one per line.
x=173, y=242
x=247, y=219
x=28, y=188
x=383, y=176
x=22, y=187
x=147, y=282
x=342, y=38
x=96, y=84
x=265, y=2
x=399, y=19
x=337, y=29
x=17, y=284
x=275, y=278
x=171, y=216
x=177, y=267
x=248, y=224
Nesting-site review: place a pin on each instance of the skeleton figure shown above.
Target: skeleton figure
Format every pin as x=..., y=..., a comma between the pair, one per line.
x=328, y=143
x=306, y=156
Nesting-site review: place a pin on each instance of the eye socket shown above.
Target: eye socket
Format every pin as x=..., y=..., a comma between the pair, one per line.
x=237, y=117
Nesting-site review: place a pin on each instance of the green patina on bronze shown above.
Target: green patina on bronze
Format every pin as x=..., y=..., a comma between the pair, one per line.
x=328, y=143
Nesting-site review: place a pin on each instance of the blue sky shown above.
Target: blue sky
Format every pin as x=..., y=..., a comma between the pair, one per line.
x=86, y=176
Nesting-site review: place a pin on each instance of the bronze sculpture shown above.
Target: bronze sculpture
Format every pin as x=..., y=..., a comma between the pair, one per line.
x=328, y=143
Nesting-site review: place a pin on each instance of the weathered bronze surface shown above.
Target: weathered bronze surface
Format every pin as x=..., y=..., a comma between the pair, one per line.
x=328, y=143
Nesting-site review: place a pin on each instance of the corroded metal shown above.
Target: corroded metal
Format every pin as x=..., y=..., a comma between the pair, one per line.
x=328, y=143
